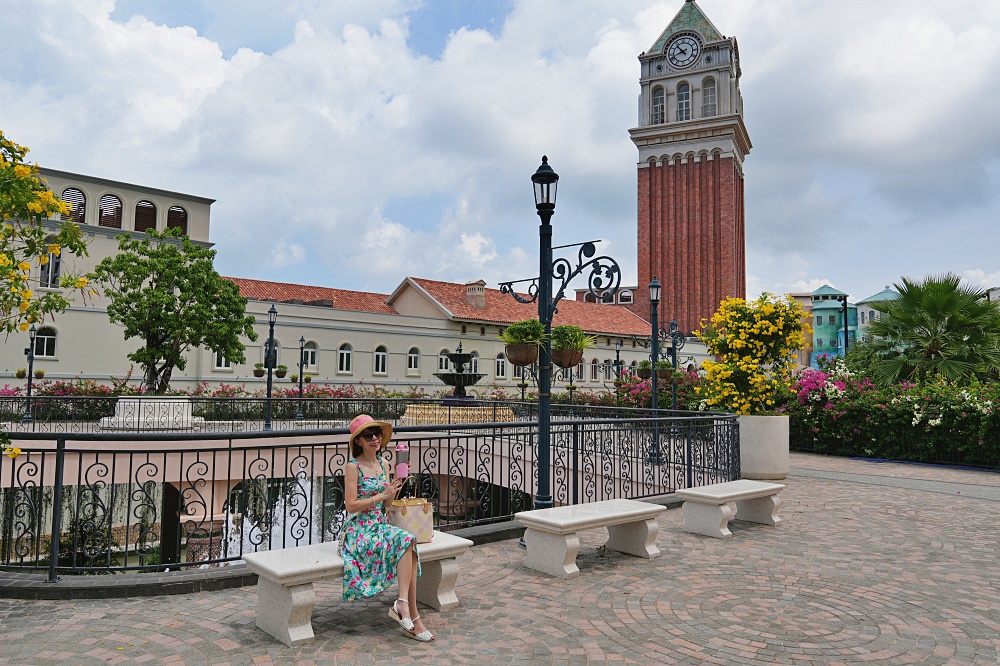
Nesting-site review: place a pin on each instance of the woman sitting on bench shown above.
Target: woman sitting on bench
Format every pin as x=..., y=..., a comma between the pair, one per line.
x=375, y=551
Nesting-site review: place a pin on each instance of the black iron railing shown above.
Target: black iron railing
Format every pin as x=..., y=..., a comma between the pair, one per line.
x=97, y=503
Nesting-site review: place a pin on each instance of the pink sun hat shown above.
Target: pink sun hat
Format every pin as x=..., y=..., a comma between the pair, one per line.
x=362, y=422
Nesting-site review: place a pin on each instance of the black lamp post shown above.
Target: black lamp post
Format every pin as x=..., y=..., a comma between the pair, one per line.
x=618, y=359
x=302, y=372
x=843, y=302
x=655, y=290
x=272, y=316
x=676, y=343
x=30, y=353
x=605, y=277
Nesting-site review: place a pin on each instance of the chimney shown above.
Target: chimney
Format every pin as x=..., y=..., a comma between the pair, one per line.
x=475, y=294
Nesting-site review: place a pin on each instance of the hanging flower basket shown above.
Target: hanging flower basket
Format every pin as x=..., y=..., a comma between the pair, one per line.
x=664, y=373
x=258, y=372
x=644, y=373
x=523, y=354
x=566, y=358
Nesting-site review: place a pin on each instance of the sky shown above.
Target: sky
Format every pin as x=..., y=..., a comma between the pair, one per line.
x=351, y=143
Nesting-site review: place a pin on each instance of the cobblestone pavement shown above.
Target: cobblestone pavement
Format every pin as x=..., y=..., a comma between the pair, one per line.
x=878, y=563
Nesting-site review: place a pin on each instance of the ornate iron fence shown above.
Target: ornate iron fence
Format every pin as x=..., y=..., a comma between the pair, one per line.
x=99, y=503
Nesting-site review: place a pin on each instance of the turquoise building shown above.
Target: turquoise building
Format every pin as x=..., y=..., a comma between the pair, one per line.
x=866, y=308
x=828, y=324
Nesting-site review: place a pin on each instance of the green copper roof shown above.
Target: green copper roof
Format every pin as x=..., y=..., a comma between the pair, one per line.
x=827, y=289
x=886, y=294
x=690, y=17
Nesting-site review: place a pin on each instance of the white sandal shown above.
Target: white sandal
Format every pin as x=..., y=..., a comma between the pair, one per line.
x=405, y=622
x=424, y=636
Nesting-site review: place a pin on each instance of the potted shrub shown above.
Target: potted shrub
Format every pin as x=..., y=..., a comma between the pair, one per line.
x=644, y=369
x=664, y=370
x=522, y=339
x=21, y=373
x=280, y=371
x=258, y=370
x=294, y=378
x=568, y=343
x=39, y=374
x=307, y=379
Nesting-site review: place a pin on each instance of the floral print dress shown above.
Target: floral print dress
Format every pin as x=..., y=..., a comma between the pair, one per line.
x=372, y=545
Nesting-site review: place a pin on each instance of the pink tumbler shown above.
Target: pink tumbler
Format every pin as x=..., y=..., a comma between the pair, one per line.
x=402, y=460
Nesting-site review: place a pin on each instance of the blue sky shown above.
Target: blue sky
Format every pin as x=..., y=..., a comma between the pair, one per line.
x=350, y=143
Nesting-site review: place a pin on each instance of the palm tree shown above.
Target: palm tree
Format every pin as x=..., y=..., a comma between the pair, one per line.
x=936, y=327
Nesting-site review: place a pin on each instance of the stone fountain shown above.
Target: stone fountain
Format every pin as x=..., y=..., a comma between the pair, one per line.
x=459, y=377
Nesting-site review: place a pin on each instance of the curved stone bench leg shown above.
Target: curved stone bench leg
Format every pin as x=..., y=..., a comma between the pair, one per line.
x=759, y=510
x=286, y=612
x=638, y=538
x=436, y=585
x=708, y=519
x=554, y=554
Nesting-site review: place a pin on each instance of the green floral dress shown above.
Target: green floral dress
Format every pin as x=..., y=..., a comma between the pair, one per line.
x=372, y=545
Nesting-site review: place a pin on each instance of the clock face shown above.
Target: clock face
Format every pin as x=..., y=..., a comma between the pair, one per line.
x=683, y=51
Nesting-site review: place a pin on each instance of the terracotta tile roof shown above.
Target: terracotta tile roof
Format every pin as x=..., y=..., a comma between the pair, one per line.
x=341, y=299
x=503, y=309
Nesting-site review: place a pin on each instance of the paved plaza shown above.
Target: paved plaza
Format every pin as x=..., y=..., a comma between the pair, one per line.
x=877, y=563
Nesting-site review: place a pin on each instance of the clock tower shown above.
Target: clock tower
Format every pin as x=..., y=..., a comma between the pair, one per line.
x=692, y=143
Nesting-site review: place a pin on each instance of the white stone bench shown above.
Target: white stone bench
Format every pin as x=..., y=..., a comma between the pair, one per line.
x=553, y=543
x=285, y=593
x=708, y=509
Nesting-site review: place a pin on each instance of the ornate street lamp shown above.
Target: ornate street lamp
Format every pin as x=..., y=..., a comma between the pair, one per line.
x=605, y=277
x=302, y=371
x=30, y=353
x=618, y=359
x=655, y=290
x=269, y=360
x=843, y=301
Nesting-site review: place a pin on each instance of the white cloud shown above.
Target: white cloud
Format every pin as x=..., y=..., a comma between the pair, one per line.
x=286, y=253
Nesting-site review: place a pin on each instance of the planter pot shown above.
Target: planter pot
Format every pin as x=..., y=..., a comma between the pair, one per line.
x=664, y=375
x=258, y=372
x=566, y=358
x=644, y=373
x=521, y=354
x=280, y=374
x=763, y=447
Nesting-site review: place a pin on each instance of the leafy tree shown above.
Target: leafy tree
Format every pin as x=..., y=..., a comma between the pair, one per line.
x=165, y=291
x=937, y=326
x=25, y=204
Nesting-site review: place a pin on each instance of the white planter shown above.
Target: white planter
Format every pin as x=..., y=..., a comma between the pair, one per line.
x=152, y=413
x=763, y=447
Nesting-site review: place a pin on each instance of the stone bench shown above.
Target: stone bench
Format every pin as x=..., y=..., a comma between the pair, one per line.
x=708, y=509
x=286, y=597
x=553, y=543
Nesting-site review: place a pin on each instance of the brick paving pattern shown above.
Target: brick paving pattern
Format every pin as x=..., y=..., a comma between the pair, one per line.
x=863, y=570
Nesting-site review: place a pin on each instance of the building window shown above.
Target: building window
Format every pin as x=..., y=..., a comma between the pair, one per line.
x=45, y=343
x=145, y=216
x=589, y=298
x=518, y=372
x=580, y=371
x=871, y=316
x=632, y=367
x=463, y=329
x=444, y=365
x=221, y=362
x=310, y=355
x=625, y=297
x=832, y=320
x=110, y=212
x=607, y=297
x=607, y=369
x=177, y=217
x=344, y=358
x=501, y=366
x=709, y=106
x=862, y=314
x=659, y=107
x=683, y=102
x=819, y=320
x=819, y=343
x=482, y=330
x=413, y=360
x=381, y=360
x=78, y=205
x=593, y=370
x=49, y=272
x=474, y=362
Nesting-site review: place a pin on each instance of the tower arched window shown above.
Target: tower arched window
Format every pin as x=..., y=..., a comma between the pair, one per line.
x=145, y=216
x=683, y=102
x=344, y=355
x=657, y=114
x=78, y=205
x=110, y=212
x=177, y=217
x=381, y=360
x=709, y=98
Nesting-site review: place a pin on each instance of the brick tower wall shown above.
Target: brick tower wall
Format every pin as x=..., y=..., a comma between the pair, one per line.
x=691, y=237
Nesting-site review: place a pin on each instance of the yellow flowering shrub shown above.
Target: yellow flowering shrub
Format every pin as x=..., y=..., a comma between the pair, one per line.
x=28, y=235
x=754, y=343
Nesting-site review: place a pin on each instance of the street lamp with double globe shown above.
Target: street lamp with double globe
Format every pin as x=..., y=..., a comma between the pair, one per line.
x=269, y=361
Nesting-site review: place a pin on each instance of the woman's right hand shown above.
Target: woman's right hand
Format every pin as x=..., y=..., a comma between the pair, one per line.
x=393, y=490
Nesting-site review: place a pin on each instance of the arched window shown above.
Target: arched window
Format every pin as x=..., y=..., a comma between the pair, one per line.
x=45, y=342
x=501, y=366
x=709, y=98
x=683, y=102
x=862, y=314
x=625, y=297
x=463, y=329
x=589, y=298
x=593, y=370
x=871, y=315
x=607, y=369
x=444, y=365
x=145, y=216
x=177, y=217
x=49, y=272
x=110, y=212
x=344, y=358
x=482, y=330
x=78, y=205
x=311, y=355
x=474, y=362
x=381, y=360
x=413, y=360
x=634, y=365
x=580, y=371
x=657, y=114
